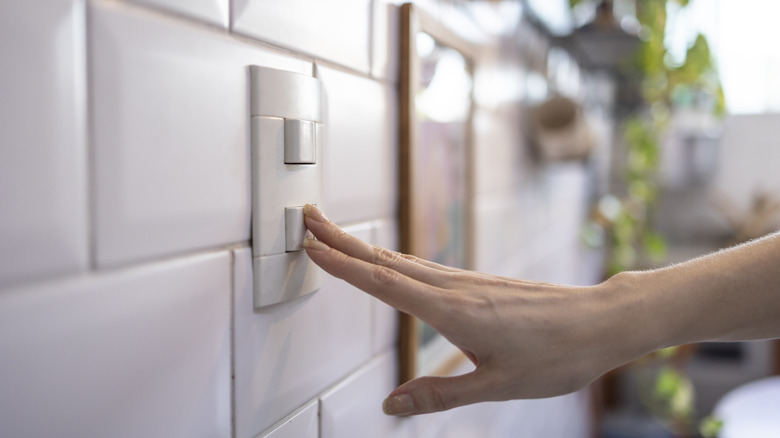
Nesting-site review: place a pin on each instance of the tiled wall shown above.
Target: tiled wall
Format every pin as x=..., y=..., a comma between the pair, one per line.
x=125, y=274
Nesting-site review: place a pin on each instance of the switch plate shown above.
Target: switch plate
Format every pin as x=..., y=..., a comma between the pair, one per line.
x=281, y=102
x=278, y=93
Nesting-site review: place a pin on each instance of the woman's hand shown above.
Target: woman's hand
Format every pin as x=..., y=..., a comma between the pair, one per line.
x=526, y=339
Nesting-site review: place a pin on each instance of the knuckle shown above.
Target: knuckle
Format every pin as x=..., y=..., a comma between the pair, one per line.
x=464, y=278
x=339, y=235
x=438, y=399
x=384, y=275
x=411, y=258
x=384, y=257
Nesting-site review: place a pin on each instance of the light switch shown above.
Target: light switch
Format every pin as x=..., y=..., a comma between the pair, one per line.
x=299, y=142
x=294, y=229
x=287, y=123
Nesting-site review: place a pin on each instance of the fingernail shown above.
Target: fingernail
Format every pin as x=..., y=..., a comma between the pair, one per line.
x=399, y=405
x=314, y=213
x=315, y=244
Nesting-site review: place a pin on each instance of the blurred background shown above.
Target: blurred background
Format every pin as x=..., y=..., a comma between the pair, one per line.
x=692, y=173
x=604, y=136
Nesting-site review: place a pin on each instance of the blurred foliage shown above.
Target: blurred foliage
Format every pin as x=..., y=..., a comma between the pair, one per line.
x=668, y=393
x=629, y=233
x=710, y=427
x=674, y=395
x=694, y=83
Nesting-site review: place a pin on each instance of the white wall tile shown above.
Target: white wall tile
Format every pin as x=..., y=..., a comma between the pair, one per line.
x=479, y=419
x=748, y=159
x=560, y=417
x=303, y=423
x=137, y=353
x=353, y=408
x=43, y=223
x=287, y=353
x=360, y=160
x=171, y=137
x=385, y=37
x=212, y=11
x=335, y=30
x=566, y=416
x=384, y=318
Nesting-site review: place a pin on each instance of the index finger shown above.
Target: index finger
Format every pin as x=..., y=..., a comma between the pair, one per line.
x=394, y=288
x=329, y=233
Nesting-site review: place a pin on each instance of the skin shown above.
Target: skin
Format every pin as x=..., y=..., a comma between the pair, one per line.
x=532, y=340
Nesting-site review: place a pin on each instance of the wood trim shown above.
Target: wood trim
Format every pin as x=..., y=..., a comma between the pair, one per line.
x=407, y=347
x=405, y=102
x=407, y=324
x=776, y=345
x=413, y=20
x=453, y=362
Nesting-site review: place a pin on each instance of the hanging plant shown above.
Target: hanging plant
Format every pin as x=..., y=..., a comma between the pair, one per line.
x=633, y=242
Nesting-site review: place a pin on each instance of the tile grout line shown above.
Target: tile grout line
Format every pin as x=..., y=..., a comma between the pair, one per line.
x=230, y=32
x=89, y=140
x=232, y=274
x=372, y=5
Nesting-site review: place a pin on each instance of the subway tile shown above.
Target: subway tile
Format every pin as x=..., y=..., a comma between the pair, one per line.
x=212, y=11
x=337, y=31
x=360, y=167
x=303, y=423
x=353, y=408
x=559, y=417
x=385, y=37
x=43, y=194
x=288, y=353
x=566, y=416
x=435, y=425
x=384, y=318
x=134, y=353
x=479, y=419
x=170, y=136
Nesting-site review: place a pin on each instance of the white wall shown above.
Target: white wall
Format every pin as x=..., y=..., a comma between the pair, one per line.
x=125, y=274
x=748, y=157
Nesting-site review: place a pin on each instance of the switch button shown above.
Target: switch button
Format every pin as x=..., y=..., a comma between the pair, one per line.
x=294, y=229
x=299, y=142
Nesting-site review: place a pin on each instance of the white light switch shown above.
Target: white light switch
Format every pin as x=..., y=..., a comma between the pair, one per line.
x=294, y=229
x=286, y=120
x=299, y=142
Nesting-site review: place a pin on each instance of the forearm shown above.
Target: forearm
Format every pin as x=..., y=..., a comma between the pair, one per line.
x=726, y=296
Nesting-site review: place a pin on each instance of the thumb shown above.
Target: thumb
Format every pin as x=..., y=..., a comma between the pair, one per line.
x=433, y=394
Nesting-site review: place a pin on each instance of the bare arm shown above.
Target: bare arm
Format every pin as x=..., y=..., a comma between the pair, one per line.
x=530, y=340
x=730, y=295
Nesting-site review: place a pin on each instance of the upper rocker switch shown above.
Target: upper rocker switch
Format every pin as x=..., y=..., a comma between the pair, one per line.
x=299, y=142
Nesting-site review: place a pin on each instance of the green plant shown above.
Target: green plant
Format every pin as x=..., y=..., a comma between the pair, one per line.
x=631, y=238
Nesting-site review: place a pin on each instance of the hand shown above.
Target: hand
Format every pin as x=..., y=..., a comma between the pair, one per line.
x=526, y=339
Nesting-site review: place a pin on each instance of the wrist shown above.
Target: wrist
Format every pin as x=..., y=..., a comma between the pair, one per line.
x=631, y=307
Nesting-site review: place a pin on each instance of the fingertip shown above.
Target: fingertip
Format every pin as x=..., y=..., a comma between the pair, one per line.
x=400, y=405
x=311, y=211
x=314, y=245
